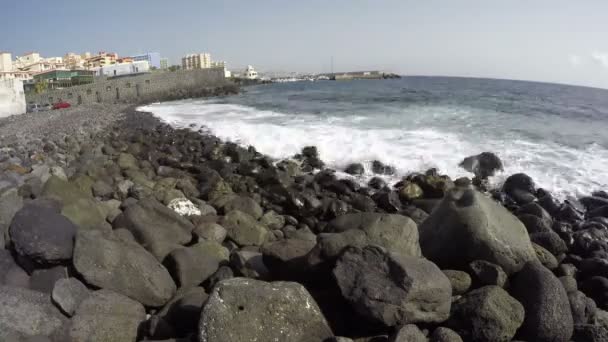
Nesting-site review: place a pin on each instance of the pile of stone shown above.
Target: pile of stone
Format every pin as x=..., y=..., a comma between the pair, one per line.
x=146, y=233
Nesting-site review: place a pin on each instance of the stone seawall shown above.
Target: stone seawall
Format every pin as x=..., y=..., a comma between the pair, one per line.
x=143, y=88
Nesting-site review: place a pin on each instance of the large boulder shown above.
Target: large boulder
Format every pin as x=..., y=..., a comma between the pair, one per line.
x=548, y=315
x=486, y=314
x=482, y=165
x=244, y=229
x=241, y=309
x=180, y=316
x=395, y=233
x=78, y=206
x=284, y=256
x=122, y=266
x=107, y=316
x=156, y=227
x=468, y=226
x=244, y=204
x=42, y=234
x=391, y=288
x=28, y=312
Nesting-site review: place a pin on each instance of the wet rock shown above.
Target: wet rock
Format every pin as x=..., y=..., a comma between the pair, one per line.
x=548, y=315
x=487, y=273
x=355, y=169
x=486, y=314
x=518, y=186
x=244, y=229
x=535, y=224
x=377, y=183
x=156, y=227
x=42, y=234
x=256, y=310
x=388, y=200
x=68, y=293
x=381, y=169
x=466, y=220
x=461, y=281
x=107, y=316
x=391, y=288
x=433, y=185
x=10, y=203
x=124, y=267
x=550, y=241
x=590, y=333
x=483, y=165
x=28, y=312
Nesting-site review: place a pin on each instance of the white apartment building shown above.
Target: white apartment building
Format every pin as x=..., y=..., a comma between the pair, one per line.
x=196, y=61
x=124, y=69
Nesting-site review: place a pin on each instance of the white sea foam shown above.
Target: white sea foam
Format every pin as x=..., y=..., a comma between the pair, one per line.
x=409, y=145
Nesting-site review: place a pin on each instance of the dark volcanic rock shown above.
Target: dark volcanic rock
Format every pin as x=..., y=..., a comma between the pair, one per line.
x=391, y=288
x=121, y=266
x=107, y=316
x=487, y=273
x=355, y=169
x=42, y=234
x=483, y=165
x=583, y=308
x=180, y=316
x=261, y=311
x=28, y=312
x=68, y=293
x=408, y=333
x=380, y=168
x=156, y=227
x=597, y=288
x=460, y=280
x=44, y=280
x=442, y=334
x=548, y=315
x=395, y=233
x=590, y=333
x=468, y=226
x=190, y=266
x=486, y=314
x=244, y=229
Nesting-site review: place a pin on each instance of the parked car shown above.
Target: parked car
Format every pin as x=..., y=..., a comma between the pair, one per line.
x=45, y=107
x=33, y=107
x=61, y=105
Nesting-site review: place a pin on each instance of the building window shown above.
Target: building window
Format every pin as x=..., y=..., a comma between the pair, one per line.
x=147, y=81
x=128, y=84
x=89, y=91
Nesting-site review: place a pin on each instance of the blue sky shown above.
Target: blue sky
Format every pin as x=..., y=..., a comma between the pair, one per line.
x=544, y=40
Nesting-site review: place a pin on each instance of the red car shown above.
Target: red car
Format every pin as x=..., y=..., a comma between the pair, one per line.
x=61, y=105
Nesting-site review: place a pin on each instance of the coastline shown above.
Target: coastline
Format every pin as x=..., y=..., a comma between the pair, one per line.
x=234, y=213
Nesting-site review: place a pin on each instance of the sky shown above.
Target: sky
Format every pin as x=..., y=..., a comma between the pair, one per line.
x=543, y=40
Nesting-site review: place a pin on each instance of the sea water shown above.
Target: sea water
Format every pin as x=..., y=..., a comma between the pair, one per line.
x=557, y=134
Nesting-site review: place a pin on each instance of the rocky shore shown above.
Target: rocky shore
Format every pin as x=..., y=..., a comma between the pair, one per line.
x=117, y=227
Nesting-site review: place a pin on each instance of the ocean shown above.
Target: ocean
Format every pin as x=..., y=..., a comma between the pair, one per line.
x=557, y=134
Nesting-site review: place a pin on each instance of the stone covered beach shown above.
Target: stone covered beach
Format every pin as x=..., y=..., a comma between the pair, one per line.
x=117, y=227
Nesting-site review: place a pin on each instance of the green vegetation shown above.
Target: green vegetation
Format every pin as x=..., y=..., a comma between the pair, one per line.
x=41, y=86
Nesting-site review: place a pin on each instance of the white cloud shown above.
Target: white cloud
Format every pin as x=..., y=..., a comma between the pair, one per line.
x=600, y=58
x=575, y=60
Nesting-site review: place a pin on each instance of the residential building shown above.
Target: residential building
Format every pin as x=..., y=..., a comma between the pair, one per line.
x=6, y=62
x=250, y=73
x=75, y=61
x=32, y=63
x=12, y=97
x=153, y=59
x=100, y=60
x=218, y=64
x=196, y=61
x=122, y=60
x=124, y=69
x=164, y=63
x=57, y=79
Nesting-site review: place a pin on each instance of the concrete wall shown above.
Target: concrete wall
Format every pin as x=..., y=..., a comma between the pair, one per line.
x=12, y=98
x=150, y=87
